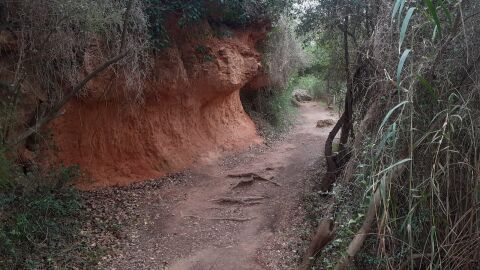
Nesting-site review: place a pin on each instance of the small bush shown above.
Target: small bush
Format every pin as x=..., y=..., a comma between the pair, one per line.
x=40, y=226
x=283, y=57
x=272, y=106
x=280, y=108
x=314, y=85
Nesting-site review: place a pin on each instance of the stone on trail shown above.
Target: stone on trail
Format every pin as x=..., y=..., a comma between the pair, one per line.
x=325, y=123
x=302, y=95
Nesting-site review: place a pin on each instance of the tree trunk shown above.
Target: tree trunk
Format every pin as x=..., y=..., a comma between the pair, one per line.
x=348, y=107
x=348, y=110
x=332, y=167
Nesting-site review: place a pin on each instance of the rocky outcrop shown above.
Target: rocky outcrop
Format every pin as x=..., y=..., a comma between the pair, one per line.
x=191, y=112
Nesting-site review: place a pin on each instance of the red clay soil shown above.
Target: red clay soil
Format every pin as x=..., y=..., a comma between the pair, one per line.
x=192, y=111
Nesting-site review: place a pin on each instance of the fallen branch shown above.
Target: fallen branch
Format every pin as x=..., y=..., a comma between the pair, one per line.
x=54, y=111
x=324, y=235
x=253, y=177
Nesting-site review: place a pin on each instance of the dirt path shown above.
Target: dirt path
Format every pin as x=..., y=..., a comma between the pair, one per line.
x=183, y=227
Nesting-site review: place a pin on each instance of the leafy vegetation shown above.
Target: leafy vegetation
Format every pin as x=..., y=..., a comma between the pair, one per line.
x=40, y=223
x=41, y=219
x=415, y=138
x=283, y=58
x=231, y=13
x=273, y=106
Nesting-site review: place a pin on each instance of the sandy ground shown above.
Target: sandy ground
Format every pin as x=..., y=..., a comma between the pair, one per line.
x=187, y=226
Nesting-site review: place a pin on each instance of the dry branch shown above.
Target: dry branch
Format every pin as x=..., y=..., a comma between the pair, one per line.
x=412, y=259
x=53, y=112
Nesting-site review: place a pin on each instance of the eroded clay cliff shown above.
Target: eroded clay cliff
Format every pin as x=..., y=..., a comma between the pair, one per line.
x=191, y=111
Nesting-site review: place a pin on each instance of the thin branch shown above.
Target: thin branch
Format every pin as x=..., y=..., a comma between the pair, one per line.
x=54, y=111
x=126, y=20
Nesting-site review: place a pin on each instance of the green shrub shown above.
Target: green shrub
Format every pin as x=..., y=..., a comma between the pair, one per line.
x=232, y=13
x=283, y=56
x=314, y=85
x=270, y=108
x=40, y=226
x=280, y=108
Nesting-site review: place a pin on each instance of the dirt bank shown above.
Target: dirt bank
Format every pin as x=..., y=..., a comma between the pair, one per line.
x=209, y=221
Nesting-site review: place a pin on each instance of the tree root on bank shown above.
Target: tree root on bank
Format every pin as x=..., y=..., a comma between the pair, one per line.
x=253, y=177
x=324, y=235
x=326, y=230
x=357, y=242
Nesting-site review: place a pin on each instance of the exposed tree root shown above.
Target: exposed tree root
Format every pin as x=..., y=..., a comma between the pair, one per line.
x=220, y=218
x=324, y=235
x=244, y=183
x=253, y=177
x=357, y=242
x=233, y=219
x=239, y=200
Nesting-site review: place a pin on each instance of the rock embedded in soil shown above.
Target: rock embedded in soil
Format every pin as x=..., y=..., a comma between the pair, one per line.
x=301, y=95
x=325, y=123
